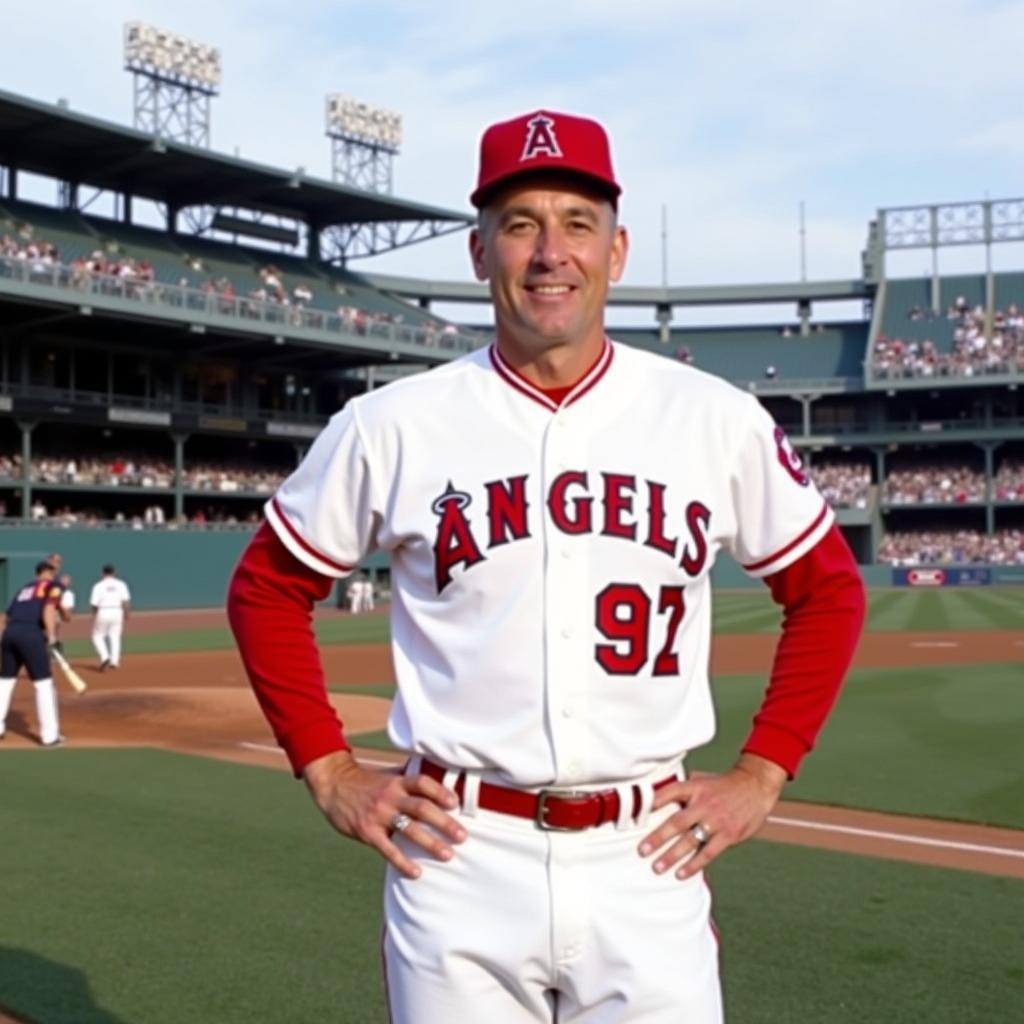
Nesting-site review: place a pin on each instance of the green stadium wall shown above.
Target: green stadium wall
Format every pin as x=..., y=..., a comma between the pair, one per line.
x=165, y=569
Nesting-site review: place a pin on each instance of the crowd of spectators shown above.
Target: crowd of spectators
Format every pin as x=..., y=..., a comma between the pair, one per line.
x=153, y=517
x=1008, y=483
x=1004, y=547
x=40, y=255
x=934, y=485
x=978, y=348
x=145, y=471
x=843, y=484
x=123, y=275
x=114, y=272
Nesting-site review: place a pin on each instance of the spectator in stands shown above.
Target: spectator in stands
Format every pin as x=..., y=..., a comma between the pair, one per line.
x=272, y=282
x=226, y=296
x=110, y=270
x=770, y=372
x=935, y=485
x=843, y=485
x=1008, y=483
x=977, y=348
x=1004, y=547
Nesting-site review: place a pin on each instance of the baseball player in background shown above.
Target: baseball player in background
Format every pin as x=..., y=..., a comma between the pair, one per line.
x=31, y=628
x=110, y=600
x=366, y=594
x=354, y=592
x=553, y=505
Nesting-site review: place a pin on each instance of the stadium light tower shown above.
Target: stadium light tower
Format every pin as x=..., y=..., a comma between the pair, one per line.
x=174, y=79
x=364, y=143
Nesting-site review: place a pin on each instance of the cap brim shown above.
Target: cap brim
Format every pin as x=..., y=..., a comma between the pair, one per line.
x=606, y=189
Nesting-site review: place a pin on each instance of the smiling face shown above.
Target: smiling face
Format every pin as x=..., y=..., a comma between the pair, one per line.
x=549, y=248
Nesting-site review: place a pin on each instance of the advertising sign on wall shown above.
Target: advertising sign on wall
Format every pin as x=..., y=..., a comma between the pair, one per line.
x=944, y=576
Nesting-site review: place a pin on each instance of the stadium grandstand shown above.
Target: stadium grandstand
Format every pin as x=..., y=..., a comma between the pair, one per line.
x=161, y=374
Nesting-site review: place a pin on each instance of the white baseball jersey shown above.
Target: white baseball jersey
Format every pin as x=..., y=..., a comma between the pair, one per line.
x=551, y=616
x=109, y=595
x=67, y=600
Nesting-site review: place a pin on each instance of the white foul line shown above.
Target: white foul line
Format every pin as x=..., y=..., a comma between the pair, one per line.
x=867, y=833
x=897, y=837
x=266, y=747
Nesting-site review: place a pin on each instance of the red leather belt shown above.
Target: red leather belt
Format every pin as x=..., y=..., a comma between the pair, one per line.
x=553, y=810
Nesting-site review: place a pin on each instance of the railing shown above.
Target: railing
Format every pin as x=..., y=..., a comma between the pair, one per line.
x=43, y=481
x=801, y=385
x=12, y=523
x=82, y=283
x=916, y=426
x=901, y=375
x=78, y=396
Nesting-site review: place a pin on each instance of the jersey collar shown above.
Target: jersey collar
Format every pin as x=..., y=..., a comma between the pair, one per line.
x=517, y=381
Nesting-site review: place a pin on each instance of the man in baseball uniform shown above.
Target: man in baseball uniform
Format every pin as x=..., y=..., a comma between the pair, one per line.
x=110, y=599
x=30, y=630
x=553, y=505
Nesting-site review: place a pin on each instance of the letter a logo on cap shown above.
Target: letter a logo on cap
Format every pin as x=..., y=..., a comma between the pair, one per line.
x=540, y=138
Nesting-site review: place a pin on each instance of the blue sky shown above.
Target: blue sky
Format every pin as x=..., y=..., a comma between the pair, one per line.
x=729, y=113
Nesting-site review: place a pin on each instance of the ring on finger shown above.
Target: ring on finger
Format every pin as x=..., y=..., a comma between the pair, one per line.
x=399, y=822
x=701, y=833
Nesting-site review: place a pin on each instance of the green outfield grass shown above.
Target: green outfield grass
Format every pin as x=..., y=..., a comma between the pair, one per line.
x=941, y=742
x=142, y=887
x=895, y=610
x=332, y=628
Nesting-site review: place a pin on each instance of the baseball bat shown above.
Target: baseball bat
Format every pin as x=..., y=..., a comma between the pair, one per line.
x=76, y=681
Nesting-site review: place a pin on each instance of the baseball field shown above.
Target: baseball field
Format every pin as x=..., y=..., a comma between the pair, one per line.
x=164, y=867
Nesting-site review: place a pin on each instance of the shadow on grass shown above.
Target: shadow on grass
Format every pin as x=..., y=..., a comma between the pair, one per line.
x=34, y=990
x=18, y=724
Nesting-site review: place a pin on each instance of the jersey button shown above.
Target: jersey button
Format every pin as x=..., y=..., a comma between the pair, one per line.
x=567, y=632
x=566, y=554
x=568, y=711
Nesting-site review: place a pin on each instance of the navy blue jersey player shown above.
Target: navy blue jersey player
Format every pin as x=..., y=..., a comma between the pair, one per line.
x=31, y=628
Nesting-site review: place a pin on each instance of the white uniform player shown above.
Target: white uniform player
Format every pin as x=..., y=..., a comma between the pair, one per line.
x=566, y=510
x=352, y=592
x=110, y=600
x=551, y=546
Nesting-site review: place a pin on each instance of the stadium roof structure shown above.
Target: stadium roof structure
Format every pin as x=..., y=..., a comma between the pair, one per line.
x=52, y=140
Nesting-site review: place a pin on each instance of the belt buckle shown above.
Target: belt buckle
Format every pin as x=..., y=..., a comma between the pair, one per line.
x=558, y=794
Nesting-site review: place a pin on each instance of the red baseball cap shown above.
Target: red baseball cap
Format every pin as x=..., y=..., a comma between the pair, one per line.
x=545, y=141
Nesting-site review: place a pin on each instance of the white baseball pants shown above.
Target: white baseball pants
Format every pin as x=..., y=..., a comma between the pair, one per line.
x=106, y=636
x=524, y=926
x=46, y=707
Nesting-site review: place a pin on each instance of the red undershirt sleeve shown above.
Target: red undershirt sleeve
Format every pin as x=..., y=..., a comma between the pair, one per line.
x=822, y=596
x=270, y=608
